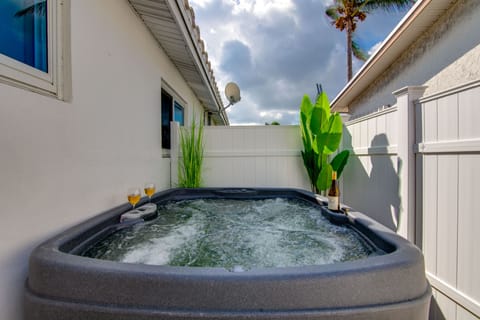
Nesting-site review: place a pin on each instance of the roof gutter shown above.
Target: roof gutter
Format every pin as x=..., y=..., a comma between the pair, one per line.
x=200, y=55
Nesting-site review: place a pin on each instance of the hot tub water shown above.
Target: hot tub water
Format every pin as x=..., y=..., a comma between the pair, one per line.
x=235, y=234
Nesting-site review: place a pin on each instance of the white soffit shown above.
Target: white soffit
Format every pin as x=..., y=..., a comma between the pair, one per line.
x=172, y=23
x=423, y=14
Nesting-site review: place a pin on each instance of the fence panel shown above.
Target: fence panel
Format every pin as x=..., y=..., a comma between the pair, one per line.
x=254, y=156
x=370, y=181
x=449, y=156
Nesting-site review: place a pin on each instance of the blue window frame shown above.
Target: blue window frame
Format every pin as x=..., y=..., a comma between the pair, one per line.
x=23, y=32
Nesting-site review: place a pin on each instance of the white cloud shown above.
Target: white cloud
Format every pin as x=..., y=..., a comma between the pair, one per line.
x=262, y=8
x=277, y=50
x=200, y=3
x=374, y=48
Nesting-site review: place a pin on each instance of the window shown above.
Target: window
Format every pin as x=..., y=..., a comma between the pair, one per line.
x=167, y=101
x=24, y=32
x=178, y=114
x=30, y=46
x=172, y=110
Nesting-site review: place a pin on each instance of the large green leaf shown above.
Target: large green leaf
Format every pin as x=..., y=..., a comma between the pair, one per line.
x=305, y=115
x=318, y=121
x=335, y=132
x=338, y=163
x=325, y=177
x=306, y=107
x=306, y=135
x=322, y=102
x=329, y=139
x=320, y=114
x=309, y=163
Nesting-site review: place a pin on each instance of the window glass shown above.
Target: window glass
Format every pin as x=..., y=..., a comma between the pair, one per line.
x=167, y=102
x=171, y=111
x=179, y=114
x=23, y=31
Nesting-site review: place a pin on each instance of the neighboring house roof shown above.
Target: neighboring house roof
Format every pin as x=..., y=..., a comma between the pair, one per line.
x=423, y=14
x=172, y=23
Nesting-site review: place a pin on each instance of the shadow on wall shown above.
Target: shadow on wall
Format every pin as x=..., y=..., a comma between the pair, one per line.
x=371, y=181
x=435, y=311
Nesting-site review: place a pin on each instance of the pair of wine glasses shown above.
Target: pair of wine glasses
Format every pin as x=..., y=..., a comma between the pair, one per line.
x=134, y=194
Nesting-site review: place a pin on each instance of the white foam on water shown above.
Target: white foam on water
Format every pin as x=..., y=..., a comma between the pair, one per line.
x=158, y=251
x=238, y=269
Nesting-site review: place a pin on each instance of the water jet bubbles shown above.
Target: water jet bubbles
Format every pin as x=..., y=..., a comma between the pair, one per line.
x=238, y=269
x=235, y=235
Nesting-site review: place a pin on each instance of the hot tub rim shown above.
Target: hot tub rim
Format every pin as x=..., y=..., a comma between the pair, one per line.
x=48, y=255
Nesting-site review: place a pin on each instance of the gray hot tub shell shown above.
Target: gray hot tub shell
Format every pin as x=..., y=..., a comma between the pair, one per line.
x=63, y=285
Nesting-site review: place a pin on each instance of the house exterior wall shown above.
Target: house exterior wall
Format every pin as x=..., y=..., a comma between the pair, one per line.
x=63, y=161
x=447, y=55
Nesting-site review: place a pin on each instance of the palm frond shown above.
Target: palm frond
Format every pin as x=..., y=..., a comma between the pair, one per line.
x=388, y=5
x=332, y=12
x=358, y=52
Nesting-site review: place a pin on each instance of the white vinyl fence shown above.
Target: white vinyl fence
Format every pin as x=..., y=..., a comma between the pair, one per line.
x=416, y=169
x=254, y=156
x=370, y=181
x=448, y=163
x=249, y=156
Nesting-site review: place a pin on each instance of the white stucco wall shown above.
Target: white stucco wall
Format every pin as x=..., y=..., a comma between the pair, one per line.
x=62, y=162
x=447, y=55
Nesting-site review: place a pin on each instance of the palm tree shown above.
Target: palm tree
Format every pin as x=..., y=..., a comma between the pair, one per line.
x=346, y=13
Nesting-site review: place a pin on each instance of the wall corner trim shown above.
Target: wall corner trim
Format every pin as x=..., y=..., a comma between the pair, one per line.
x=413, y=90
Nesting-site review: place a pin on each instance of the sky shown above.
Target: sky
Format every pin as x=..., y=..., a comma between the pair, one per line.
x=277, y=50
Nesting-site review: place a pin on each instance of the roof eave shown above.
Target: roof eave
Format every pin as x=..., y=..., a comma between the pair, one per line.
x=172, y=23
x=193, y=31
x=415, y=23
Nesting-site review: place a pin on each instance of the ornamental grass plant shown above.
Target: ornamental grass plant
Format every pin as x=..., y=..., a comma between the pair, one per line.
x=191, y=159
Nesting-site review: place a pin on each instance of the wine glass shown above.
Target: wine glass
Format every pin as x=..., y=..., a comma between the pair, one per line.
x=149, y=190
x=133, y=196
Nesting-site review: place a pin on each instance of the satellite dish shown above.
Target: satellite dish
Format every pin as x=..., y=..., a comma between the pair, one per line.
x=232, y=92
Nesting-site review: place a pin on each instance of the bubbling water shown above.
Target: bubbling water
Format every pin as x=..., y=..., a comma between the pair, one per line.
x=235, y=234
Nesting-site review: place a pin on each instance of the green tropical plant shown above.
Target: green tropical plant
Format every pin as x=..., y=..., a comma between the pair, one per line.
x=191, y=162
x=321, y=135
x=345, y=14
x=273, y=123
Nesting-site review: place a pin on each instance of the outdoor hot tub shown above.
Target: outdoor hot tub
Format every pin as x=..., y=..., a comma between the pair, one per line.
x=65, y=281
